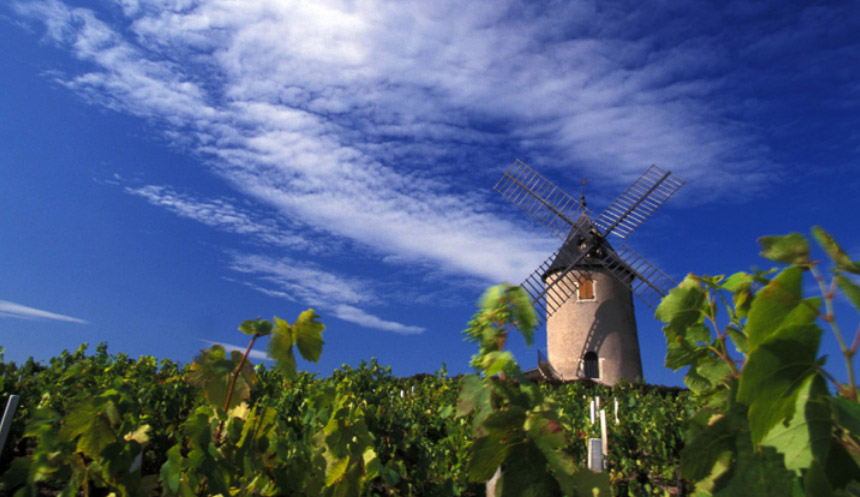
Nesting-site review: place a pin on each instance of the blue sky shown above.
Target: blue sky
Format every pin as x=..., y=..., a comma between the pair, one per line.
x=171, y=168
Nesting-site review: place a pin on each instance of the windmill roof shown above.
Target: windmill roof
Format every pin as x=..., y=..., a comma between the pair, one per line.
x=581, y=234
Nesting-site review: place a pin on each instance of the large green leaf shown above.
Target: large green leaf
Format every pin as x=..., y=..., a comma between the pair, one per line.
x=779, y=303
x=774, y=374
x=526, y=473
x=280, y=347
x=847, y=414
x=709, y=438
x=474, y=395
x=487, y=455
x=808, y=435
x=213, y=371
x=307, y=333
x=684, y=306
x=90, y=426
x=839, y=256
x=788, y=249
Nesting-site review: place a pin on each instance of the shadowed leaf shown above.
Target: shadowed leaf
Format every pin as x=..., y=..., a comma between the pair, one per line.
x=212, y=371
x=774, y=373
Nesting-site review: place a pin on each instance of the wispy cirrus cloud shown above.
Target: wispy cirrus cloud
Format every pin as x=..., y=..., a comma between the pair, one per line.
x=18, y=311
x=312, y=285
x=223, y=215
x=366, y=120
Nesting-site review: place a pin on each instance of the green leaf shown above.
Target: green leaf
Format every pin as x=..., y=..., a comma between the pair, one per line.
x=523, y=312
x=837, y=255
x=526, y=473
x=487, y=455
x=774, y=373
x=89, y=424
x=213, y=371
x=307, y=331
x=847, y=414
x=850, y=289
x=788, y=249
x=808, y=435
x=280, y=347
x=474, y=395
x=710, y=436
x=779, y=303
x=684, y=306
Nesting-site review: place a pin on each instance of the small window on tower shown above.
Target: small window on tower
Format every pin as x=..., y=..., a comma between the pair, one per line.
x=586, y=287
x=590, y=366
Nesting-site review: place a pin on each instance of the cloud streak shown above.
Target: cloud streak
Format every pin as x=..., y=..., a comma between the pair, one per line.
x=18, y=311
x=365, y=120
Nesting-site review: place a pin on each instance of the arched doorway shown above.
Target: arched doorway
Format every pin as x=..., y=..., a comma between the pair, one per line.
x=590, y=366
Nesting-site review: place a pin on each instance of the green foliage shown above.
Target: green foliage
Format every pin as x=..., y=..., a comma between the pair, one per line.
x=768, y=425
x=516, y=427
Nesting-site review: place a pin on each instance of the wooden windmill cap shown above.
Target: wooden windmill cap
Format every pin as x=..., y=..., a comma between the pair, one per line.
x=584, y=234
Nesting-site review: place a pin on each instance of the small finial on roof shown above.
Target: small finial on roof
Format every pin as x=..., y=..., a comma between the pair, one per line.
x=582, y=192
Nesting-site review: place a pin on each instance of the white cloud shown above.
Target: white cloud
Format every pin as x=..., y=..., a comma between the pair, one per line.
x=222, y=214
x=361, y=318
x=18, y=311
x=315, y=286
x=253, y=354
x=360, y=118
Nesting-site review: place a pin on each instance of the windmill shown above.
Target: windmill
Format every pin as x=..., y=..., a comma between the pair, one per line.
x=584, y=291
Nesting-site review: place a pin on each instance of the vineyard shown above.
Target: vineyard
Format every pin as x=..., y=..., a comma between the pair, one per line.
x=758, y=418
x=145, y=407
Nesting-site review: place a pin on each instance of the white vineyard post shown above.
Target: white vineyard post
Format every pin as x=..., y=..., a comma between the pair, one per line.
x=592, y=411
x=595, y=454
x=603, y=437
x=6, y=424
x=616, y=410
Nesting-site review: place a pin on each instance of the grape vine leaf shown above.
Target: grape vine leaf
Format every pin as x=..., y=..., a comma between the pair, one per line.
x=683, y=307
x=307, y=333
x=788, y=249
x=807, y=436
x=212, y=371
x=850, y=289
x=837, y=255
x=526, y=473
x=87, y=422
x=779, y=303
x=774, y=373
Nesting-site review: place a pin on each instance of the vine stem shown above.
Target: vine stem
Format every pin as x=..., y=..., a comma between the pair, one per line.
x=238, y=370
x=828, y=317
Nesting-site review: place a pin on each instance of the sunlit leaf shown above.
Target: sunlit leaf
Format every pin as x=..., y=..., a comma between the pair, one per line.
x=685, y=305
x=788, y=249
x=779, y=303
x=837, y=255
x=307, y=333
x=808, y=434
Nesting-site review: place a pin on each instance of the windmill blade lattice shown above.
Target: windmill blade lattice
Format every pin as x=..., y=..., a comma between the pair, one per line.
x=539, y=198
x=644, y=279
x=549, y=297
x=638, y=202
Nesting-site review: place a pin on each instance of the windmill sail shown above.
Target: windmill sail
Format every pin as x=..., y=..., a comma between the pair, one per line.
x=644, y=279
x=539, y=198
x=638, y=202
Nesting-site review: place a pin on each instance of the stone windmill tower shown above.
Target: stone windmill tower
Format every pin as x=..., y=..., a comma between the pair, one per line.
x=584, y=291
